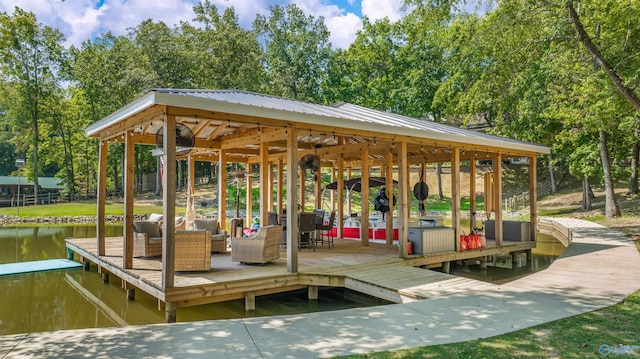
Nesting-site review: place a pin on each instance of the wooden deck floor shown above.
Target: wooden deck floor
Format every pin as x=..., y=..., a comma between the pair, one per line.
x=375, y=270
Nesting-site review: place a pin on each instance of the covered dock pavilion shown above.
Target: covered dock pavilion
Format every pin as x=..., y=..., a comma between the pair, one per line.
x=237, y=126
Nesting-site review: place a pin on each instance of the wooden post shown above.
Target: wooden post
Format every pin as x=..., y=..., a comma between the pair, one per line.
x=169, y=210
x=271, y=181
x=222, y=190
x=280, y=199
x=364, y=196
x=318, y=188
x=265, y=193
x=313, y=292
x=131, y=294
x=332, y=194
x=303, y=180
x=340, y=199
x=446, y=267
x=170, y=307
x=389, y=186
x=191, y=173
x=455, y=195
x=533, y=195
x=349, y=197
x=102, y=196
x=403, y=194
x=472, y=193
x=129, y=167
x=249, y=205
x=292, y=201
x=105, y=275
x=249, y=301
x=423, y=176
x=130, y=290
x=497, y=201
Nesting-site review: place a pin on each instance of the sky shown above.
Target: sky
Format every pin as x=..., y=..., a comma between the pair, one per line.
x=81, y=20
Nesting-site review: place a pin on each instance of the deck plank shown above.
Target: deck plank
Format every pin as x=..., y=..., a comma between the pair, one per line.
x=375, y=267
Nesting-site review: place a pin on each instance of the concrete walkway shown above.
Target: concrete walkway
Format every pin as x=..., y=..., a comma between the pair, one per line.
x=598, y=269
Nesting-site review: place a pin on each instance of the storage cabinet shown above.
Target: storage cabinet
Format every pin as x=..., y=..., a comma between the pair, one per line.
x=427, y=240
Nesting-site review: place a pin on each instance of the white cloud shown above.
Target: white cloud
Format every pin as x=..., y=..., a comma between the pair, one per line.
x=81, y=20
x=379, y=9
x=343, y=30
x=342, y=26
x=246, y=10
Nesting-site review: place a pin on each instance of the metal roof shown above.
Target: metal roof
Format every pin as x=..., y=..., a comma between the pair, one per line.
x=342, y=116
x=43, y=182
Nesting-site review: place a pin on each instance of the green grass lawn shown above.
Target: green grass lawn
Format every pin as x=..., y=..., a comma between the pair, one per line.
x=83, y=208
x=576, y=337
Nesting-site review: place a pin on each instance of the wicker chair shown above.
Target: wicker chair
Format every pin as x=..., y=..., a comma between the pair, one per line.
x=193, y=250
x=218, y=236
x=147, y=239
x=262, y=247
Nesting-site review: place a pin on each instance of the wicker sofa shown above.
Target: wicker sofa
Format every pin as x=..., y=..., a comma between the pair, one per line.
x=262, y=247
x=147, y=239
x=218, y=236
x=193, y=250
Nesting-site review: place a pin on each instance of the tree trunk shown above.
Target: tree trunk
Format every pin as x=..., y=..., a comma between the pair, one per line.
x=439, y=173
x=36, y=141
x=552, y=176
x=586, y=196
x=584, y=38
x=635, y=157
x=611, y=204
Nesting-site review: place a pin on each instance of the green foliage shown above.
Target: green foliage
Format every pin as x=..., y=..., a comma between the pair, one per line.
x=296, y=52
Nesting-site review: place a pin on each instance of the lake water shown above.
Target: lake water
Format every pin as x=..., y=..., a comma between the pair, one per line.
x=74, y=298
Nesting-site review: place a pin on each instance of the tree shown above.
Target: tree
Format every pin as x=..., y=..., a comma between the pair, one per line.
x=30, y=58
x=225, y=55
x=296, y=51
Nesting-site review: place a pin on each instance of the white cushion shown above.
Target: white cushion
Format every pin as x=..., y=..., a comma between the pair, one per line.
x=210, y=225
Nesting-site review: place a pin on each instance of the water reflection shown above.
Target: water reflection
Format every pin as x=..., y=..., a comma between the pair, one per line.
x=73, y=298
x=547, y=250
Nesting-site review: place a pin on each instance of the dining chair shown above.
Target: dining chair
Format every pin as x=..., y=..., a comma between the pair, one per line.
x=306, y=229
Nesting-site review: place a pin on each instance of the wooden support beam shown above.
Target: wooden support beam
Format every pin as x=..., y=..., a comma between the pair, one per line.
x=250, y=301
x=389, y=185
x=422, y=177
x=102, y=196
x=169, y=209
x=403, y=194
x=349, y=197
x=292, y=201
x=271, y=185
x=313, y=292
x=131, y=294
x=191, y=180
x=365, y=198
x=249, y=198
x=533, y=196
x=170, y=309
x=222, y=190
x=129, y=166
x=340, y=214
x=265, y=194
x=472, y=194
x=497, y=202
x=301, y=186
x=455, y=195
x=280, y=190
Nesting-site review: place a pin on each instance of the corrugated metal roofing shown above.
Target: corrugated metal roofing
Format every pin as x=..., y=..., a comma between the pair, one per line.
x=44, y=182
x=342, y=115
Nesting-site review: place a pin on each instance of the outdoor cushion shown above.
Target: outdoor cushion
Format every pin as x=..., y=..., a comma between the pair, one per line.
x=210, y=225
x=155, y=217
x=152, y=229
